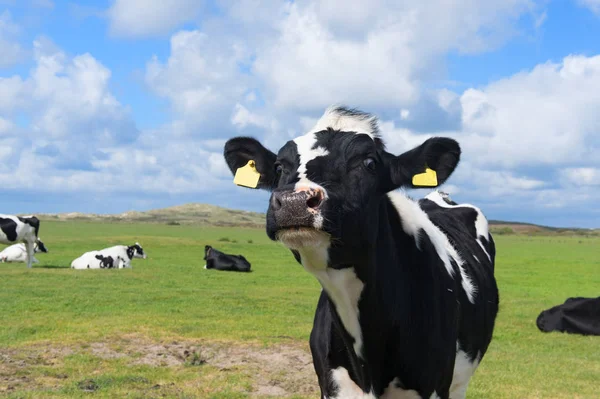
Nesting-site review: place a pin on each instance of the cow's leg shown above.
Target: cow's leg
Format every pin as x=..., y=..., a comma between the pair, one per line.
x=30, y=250
x=464, y=368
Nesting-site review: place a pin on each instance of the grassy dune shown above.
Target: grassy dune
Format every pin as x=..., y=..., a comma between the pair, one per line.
x=169, y=328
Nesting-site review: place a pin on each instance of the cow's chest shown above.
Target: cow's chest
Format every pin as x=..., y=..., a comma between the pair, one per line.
x=343, y=287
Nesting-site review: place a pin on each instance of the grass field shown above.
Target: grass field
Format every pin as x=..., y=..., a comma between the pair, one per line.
x=169, y=328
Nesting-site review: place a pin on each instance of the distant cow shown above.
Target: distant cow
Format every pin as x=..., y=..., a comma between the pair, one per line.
x=409, y=298
x=121, y=255
x=15, y=229
x=18, y=252
x=220, y=261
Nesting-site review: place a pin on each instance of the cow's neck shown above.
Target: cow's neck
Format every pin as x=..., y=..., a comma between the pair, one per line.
x=342, y=286
x=351, y=276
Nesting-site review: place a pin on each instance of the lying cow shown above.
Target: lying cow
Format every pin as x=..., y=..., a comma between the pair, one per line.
x=121, y=255
x=220, y=261
x=16, y=229
x=409, y=298
x=18, y=252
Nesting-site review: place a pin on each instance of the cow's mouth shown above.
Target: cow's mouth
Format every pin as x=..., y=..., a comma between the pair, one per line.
x=298, y=237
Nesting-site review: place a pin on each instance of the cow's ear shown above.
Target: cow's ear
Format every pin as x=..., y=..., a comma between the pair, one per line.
x=241, y=150
x=428, y=165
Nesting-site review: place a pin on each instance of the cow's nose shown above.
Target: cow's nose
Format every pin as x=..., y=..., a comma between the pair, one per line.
x=296, y=208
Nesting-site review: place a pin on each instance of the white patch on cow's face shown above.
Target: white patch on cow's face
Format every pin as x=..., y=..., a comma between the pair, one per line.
x=306, y=153
x=335, y=120
x=414, y=219
x=346, y=388
x=345, y=123
x=463, y=371
x=205, y=267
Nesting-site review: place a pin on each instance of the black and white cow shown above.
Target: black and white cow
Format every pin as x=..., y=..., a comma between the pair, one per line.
x=16, y=229
x=409, y=297
x=18, y=252
x=220, y=261
x=122, y=256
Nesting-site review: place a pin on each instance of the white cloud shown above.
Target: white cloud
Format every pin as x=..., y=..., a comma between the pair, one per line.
x=582, y=176
x=593, y=5
x=544, y=116
x=142, y=18
x=70, y=114
x=11, y=50
x=242, y=117
x=200, y=78
x=376, y=54
x=305, y=56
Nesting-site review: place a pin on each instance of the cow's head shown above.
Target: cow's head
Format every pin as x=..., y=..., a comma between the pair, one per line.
x=136, y=251
x=207, y=249
x=326, y=182
x=40, y=247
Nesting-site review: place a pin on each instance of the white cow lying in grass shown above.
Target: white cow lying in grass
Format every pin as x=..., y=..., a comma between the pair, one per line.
x=117, y=257
x=18, y=252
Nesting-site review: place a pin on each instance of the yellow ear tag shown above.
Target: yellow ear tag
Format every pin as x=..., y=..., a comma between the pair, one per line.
x=247, y=175
x=427, y=179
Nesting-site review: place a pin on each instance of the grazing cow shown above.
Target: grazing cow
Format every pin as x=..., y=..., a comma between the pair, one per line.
x=15, y=229
x=18, y=252
x=121, y=255
x=220, y=261
x=409, y=298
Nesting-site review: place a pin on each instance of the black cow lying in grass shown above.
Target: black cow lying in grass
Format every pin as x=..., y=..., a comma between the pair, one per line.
x=575, y=316
x=220, y=261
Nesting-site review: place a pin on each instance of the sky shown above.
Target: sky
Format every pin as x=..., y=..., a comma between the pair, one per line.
x=109, y=106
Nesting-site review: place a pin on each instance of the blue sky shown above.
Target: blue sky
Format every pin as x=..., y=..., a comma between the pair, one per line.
x=108, y=106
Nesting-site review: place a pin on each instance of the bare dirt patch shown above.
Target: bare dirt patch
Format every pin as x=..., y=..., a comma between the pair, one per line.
x=277, y=371
x=16, y=364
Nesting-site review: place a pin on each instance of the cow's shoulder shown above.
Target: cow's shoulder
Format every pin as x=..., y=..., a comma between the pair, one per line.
x=446, y=214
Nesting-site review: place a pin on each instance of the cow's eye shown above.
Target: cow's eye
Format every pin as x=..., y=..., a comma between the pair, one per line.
x=278, y=168
x=369, y=163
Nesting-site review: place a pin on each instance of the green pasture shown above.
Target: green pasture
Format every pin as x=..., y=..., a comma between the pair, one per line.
x=80, y=333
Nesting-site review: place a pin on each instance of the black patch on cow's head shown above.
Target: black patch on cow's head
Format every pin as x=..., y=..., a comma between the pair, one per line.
x=135, y=250
x=207, y=249
x=41, y=247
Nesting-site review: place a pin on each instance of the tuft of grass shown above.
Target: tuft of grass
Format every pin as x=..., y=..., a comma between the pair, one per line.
x=194, y=358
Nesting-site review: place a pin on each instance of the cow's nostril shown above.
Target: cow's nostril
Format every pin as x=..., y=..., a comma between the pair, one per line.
x=276, y=202
x=315, y=200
